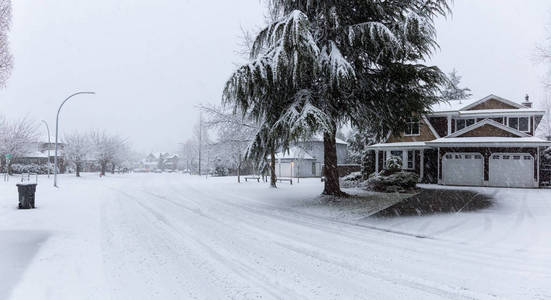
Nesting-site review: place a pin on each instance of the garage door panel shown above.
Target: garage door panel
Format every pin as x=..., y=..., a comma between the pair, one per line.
x=463, y=169
x=511, y=170
x=285, y=170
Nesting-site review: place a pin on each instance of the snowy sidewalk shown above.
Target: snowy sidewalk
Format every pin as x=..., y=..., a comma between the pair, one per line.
x=170, y=236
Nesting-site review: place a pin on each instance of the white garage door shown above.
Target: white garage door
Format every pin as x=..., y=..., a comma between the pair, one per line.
x=463, y=169
x=284, y=170
x=512, y=170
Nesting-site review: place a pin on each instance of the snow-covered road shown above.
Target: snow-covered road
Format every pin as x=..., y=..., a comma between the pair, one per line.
x=170, y=236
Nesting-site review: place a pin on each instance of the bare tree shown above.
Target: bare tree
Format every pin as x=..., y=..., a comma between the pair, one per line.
x=188, y=152
x=16, y=139
x=544, y=129
x=6, y=59
x=108, y=149
x=235, y=134
x=77, y=147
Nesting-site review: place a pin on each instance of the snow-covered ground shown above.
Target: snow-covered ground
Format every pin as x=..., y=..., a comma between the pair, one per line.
x=171, y=236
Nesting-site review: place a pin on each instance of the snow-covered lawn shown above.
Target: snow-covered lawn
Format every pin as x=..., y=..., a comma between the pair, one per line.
x=172, y=236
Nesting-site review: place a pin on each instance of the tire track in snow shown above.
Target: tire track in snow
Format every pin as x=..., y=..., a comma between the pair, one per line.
x=467, y=254
x=247, y=273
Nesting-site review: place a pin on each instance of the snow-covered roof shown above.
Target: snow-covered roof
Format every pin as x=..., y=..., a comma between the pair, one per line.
x=451, y=105
x=489, y=141
x=294, y=153
x=502, y=111
x=419, y=145
x=319, y=138
x=38, y=154
x=457, y=105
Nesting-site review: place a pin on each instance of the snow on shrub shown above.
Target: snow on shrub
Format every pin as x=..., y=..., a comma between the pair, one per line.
x=394, y=163
x=30, y=168
x=354, y=176
x=396, y=182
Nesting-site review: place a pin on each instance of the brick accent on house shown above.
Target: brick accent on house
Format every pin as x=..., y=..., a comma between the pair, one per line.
x=488, y=130
x=492, y=104
x=440, y=124
x=425, y=134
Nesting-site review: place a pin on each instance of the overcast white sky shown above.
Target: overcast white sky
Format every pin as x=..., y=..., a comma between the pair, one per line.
x=152, y=62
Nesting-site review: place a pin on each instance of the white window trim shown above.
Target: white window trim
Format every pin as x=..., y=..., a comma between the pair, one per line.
x=404, y=158
x=518, y=117
x=418, y=123
x=466, y=118
x=405, y=165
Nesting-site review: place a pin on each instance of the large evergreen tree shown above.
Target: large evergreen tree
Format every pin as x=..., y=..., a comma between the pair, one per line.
x=330, y=62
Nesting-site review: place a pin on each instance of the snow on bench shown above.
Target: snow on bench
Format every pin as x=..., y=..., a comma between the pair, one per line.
x=252, y=178
x=286, y=179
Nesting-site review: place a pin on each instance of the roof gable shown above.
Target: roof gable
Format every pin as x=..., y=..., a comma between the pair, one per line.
x=488, y=127
x=493, y=102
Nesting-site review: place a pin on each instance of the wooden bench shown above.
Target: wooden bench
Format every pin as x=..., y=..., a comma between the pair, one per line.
x=252, y=178
x=286, y=179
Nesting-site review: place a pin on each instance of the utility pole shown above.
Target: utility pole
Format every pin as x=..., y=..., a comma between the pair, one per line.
x=200, y=139
x=57, y=130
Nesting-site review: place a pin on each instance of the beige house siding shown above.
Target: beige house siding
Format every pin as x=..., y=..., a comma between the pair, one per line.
x=488, y=130
x=425, y=134
x=440, y=124
x=492, y=104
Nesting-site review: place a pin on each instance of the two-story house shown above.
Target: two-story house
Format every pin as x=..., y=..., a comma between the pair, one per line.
x=486, y=142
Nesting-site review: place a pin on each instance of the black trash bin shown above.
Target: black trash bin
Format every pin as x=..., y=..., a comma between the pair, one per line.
x=26, y=195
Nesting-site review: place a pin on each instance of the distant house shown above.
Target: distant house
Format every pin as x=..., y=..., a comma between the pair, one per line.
x=486, y=142
x=38, y=153
x=160, y=161
x=306, y=158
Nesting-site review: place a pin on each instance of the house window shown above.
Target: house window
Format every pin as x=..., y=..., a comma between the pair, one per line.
x=314, y=168
x=407, y=158
x=520, y=123
x=397, y=154
x=411, y=160
x=462, y=123
x=412, y=127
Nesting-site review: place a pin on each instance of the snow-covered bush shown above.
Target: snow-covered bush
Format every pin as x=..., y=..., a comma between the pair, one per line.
x=221, y=171
x=396, y=182
x=354, y=176
x=30, y=168
x=394, y=164
x=354, y=179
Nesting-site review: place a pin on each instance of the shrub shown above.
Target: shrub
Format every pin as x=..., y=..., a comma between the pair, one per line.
x=31, y=168
x=354, y=176
x=394, y=164
x=220, y=171
x=396, y=182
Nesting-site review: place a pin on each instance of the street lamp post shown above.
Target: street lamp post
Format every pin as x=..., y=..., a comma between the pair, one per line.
x=57, y=130
x=49, y=144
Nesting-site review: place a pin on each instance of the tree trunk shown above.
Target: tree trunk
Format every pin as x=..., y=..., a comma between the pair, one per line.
x=273, y=178
x=103, y=167
x=78, y=170
x=332, y=185
x=239, y=170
